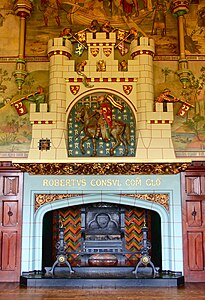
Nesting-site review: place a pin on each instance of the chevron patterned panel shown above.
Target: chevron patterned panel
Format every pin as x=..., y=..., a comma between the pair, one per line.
x=134, y=220
x=71, y=218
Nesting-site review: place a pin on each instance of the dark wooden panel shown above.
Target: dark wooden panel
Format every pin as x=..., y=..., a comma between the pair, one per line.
x=9, y=248
x=1, y=212
x=11, y=185
x=1, y=185
x=195, y=250
x=193, y=185
x=193, y=210
x=10, y=213
x=203, y=185
x=203, y=212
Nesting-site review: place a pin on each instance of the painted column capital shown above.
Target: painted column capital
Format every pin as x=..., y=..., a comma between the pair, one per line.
x=179, y=7
x=23, y=8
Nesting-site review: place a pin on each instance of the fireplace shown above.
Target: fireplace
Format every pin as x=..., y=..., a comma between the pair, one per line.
x=157, y=196
x=101, y=234
x=153, y=193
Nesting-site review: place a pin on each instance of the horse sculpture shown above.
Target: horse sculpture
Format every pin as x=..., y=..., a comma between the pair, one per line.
x=119, y=131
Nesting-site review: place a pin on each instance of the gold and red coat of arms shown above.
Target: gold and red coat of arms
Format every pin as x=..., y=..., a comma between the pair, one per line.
x=127, y=89
x=74, y=89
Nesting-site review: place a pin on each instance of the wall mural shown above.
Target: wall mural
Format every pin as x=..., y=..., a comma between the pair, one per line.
x=15, y=127
x=9, y=29
x=195, y=29
x=188, y=132
x=150, y=17
x=101, y=125
x=50, y=18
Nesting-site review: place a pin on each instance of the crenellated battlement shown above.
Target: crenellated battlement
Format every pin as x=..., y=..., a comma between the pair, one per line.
x=143, y=45
x=101, y=38
x=43, y=113
x=63, y=46
x=60, y=46
x=145, y=42
x=160, y=115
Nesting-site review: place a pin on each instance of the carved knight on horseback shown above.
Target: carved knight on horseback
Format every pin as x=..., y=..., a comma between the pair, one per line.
x=105, y=116
x=99, y=123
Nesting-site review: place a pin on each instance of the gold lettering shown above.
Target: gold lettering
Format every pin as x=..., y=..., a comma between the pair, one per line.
x=116, y=182
x=100, y=182
x=105, y=182
x=148, y=182
x=158, y=182
x=92, y=182
x=83, y=182
x=67, y=183
x=50, y=182
x=45, y=182
x=152, y=182
x=62, y=182
x=133, y=182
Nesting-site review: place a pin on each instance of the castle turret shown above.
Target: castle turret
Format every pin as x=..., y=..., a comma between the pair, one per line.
x=49, y=131
x=153, y=127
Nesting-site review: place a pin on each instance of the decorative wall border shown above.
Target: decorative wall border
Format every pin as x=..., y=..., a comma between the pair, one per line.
x=159, y=122
x=102, y=168
x=162, y=199
x=139, y=52
x=41, y=199
x=115, y=79
x=59, y=52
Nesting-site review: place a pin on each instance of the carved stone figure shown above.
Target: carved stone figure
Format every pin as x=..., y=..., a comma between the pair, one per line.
x=166, y=96
x=99, y=123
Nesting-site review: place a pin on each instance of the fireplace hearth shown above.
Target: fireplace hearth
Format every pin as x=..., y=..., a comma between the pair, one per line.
x=102, y=277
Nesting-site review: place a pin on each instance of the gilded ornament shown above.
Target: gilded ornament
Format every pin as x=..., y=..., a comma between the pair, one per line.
x=102, y=168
